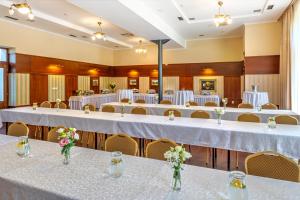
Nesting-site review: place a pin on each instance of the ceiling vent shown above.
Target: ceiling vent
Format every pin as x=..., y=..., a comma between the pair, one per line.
x=84, y=36
x=201, y=35
x=192, y=18
x=127, y=35
x=180, y=18
x=12, y=18
x=257, y=11
x=270, y=7
x=71, y=35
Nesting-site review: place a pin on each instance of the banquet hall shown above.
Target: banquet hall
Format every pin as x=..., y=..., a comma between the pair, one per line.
x=149, y=99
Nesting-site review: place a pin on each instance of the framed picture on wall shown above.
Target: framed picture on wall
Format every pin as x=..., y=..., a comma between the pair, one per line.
x=208, y=86
x=154, y=82
x=95, y=82
x=132, y=82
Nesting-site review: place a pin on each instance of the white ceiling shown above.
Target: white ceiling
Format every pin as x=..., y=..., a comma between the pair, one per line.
x=146, y=19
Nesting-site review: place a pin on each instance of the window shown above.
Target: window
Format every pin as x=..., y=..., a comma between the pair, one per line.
x=1, y=84
x=3, y=55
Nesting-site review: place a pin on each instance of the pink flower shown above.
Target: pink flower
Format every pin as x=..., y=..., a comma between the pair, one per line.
x=63, y=142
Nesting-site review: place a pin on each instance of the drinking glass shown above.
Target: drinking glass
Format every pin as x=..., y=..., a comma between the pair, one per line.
x=23, y=148
x=237, y=189
x=34, y=106
x=116, y=164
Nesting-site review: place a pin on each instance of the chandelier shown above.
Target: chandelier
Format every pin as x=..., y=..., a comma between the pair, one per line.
x=220, y=18
x=22, y=8
x=140, y=49
x=99, y=34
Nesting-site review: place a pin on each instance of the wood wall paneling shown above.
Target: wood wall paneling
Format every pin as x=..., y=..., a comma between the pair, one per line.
x=38, y=88
x=186, y=83
x=4, y=65
x=93, y=85
x=71, y=85
x=262, y=64
x=232, y=90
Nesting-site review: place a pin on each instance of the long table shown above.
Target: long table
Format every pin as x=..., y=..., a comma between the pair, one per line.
x=230, y=135
x=77, y=102
x=43, y=176
x=230, y=113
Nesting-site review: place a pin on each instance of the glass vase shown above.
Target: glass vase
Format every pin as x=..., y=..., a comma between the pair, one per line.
x=237, y=186
x=67, y=157
x=176, y=182
x=219, y=119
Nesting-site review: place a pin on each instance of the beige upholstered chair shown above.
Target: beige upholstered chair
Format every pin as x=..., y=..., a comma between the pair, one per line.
x=123, y=143
x=286, y=119
x=62, y=105
x=211, y=104
x=92, y=107
x=18, y=129
x=200, y=114
x=269, y=106
x=272, y=165
x=176, y=112
x=108, y=108
x=139, y=111
x=167, y=102
x=248, y=117
x=53, y=135
x=125, y=100
x=46, y=104
x=193, y=103
x=156, y=149
x=245, y=105
x=140, y=101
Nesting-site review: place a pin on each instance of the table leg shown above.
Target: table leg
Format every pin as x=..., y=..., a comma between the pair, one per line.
x=96, y=140
x=228, y=160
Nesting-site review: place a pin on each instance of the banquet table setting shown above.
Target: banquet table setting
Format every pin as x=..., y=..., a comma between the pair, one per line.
x=255, y=98
x=42, y=175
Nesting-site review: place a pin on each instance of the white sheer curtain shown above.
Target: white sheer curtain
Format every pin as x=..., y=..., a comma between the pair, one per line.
x=295, y=59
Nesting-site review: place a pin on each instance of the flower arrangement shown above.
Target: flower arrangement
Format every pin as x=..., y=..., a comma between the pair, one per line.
x=67, y=139
x=58, y=101
x=177, y=156
x=112, y=86
x=225, y=102
x=271, y=122
x=219, y=113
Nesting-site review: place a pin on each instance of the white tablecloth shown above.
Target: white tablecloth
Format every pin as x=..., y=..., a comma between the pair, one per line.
x=77, y=102
x=125, y=94
x=231, y=135
x=230, y=113
x=202, y=99
x=255, y=98
x=43, y=176
x=183, y=96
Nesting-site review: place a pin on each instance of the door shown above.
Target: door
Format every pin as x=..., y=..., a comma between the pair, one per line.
x=3, y=77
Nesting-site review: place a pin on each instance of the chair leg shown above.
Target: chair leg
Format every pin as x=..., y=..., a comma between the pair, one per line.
x=207, y=156
x=237, y=160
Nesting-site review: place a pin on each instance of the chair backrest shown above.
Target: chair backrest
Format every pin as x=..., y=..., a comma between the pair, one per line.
x=91, y=107
x=53, y=135
x=140, y=101
x=46, y=104
x=108, y=108
x=123, y=143
x=245, y=105
x=269, y=106
x=125, y=100
x=200, y=114
x=61, y=105
x=167, y=102
x=139, y=111
x=176, y=112
x=272, y=165
x=211, y=104
x=18, y=129
x=193, y=103
x=286, y=119
x=156, y=149
x=248, y=117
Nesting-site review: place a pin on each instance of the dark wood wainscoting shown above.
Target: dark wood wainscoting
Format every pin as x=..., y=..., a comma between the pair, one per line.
x=38, y=88
x=262, y=64
x=232, y=90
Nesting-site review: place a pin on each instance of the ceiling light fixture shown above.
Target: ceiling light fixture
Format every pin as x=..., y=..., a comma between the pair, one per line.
x=220, y=18
x=140, y=49
x=22, y=8
x=99, y=34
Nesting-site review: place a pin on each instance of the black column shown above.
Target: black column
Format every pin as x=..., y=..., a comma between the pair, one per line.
x=160, y=44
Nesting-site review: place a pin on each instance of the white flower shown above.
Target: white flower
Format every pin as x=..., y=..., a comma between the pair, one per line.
x=178, y=148
x=58, y=100
x=76, y=136
x=60, y=130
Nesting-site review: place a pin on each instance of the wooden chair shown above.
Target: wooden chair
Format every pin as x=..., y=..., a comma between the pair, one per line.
x=193, y=103
x=53, y=135
x=123, y=143
x=125, y=100
x=140, y=101
x=286, y=119
x=176, y=112
x=108, y=108
x=272, y=165
x=248, y=117
x=211, y=104
x=156, y=149
x=139, y=111
x=62, y=105
x=91, y=107
x=45, y=104
x=245, y=105
x=166, y=102
x=200, y=114
x=18, y=129
x=269, y=106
